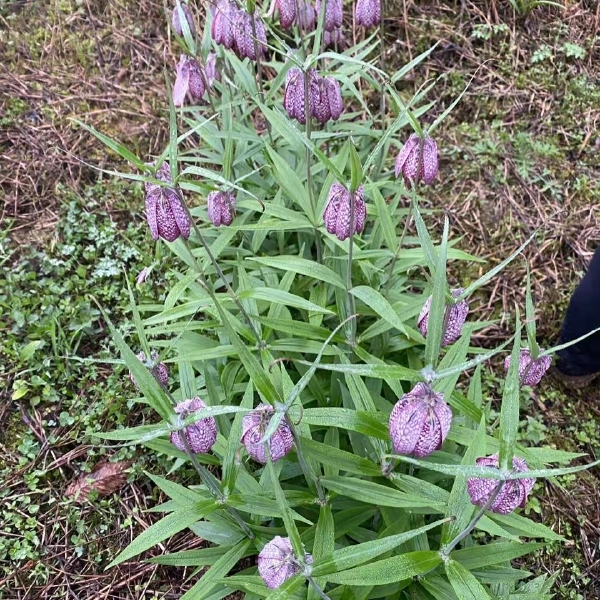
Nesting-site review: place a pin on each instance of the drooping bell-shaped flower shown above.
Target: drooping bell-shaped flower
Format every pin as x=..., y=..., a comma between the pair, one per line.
x=293, y=97
x=287, y=12
x=418, y=160
x=333, y=13
x=328, y=102
x=221, y=208
x=333, y=38
x=176, y=20
x=201, y=435
x=190, y=80
x=420, y=422
x=158, y=369
x=244, y=36
x=530, y=371
x=457, y=315
x=210, y=68
x=368, y=12
x=306, y=17
x=513, y=493
x=276, y=562
x=338, y=209
x=254, y=426
x=224, y=19
x=165, y=211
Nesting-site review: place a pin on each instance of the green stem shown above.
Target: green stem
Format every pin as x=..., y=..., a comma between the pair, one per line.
x=304, y=465
x=318, y=589
x=257, y=51
x=309, y=181
x=351, y=301
x=445, y=551
x=397, y=253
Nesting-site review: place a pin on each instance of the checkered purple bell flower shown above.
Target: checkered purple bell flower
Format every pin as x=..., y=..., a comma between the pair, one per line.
x=159, y=370
x=165, y=211
x=513, y=493
x=530, y=371
x=333, y=38
x=328, y=101
x=333, y=13
x=368, y=13
x=287, y=12
x=337, y=211
x=276, y=562
x=176, y=19
x=306, y=17
x=254, y=426
x=201, y=435
x=211, y=69
x=243, y=35
x=456, y=318
x=418, y=160
x=420, y=422
x=293, y=97
x=224, y=18
x=221, y=208
x=189, y=80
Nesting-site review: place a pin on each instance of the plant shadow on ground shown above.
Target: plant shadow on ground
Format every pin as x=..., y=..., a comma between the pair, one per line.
x=519, y=154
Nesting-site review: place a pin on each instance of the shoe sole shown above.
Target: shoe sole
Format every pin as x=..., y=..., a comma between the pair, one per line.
x=574, y=381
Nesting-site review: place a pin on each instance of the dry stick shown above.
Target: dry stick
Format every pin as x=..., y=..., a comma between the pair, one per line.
x=259, y=70
x=445, y=551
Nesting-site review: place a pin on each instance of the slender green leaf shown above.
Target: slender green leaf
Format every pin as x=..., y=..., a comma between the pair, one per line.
x=373, y=299
x=493, y=554
x=302, y=266
x=464, y=583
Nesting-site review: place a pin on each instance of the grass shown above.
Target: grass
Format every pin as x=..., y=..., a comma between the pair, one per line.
x=518, y=155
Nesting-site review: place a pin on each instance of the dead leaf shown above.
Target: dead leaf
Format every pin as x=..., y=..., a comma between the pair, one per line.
x=106, y=478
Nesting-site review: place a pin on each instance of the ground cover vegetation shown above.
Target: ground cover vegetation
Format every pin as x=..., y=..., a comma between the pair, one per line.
x=547, y=413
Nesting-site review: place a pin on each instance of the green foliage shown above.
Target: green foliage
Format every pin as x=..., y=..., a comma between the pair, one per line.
x=256, y=316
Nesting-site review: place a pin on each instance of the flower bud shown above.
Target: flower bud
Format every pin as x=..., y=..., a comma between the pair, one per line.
x=159, y=370
x=176, y=20
x=210, y=68
x=190, y=79
x=333, y=13
x=254, y=426
x=530, y=371
x=221, y=208
x=418, y=160
x=165, y=211
x=456, y=318
x=513, y=493
x=420, y=422
x=337, y=211
x=201, y=435
x=368, y=12
x=222, y=30
x=244, y=38
x=276, y=562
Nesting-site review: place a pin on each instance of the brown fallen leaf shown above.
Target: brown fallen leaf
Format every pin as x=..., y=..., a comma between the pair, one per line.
x=106, y=478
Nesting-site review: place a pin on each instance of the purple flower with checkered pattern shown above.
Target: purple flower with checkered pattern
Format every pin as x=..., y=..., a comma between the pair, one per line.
x=165, y=211
x=190, y=80
x=457, y=315
x=337, y=211
x=287, y=12
x=276, y=562
x=210, y=68
x=176, y=20
x=333, y=38
x=221, y=208
x=420, y=422
x=328, y=102
x=201, y=435
x=293, y=97
x=530, y=371
x=333, y=13
x=243, y=35
x=159, y=370
x=254, y=426
x=513, y=493
x=224, y=18
x=418, y=160
x=368, y=12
